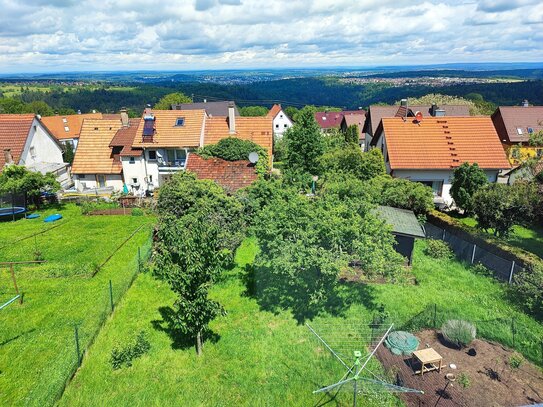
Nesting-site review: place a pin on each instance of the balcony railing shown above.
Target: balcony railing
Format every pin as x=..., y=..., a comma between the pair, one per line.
x=170, y=166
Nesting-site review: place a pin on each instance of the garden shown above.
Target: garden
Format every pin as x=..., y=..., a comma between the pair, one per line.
x=88, y=264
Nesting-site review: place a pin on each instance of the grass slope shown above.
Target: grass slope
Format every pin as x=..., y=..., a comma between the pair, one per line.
x=37, y=350
x=261, y=358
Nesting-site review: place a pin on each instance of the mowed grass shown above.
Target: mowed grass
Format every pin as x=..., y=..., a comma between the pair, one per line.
x=529, y=239
x=37, y=347
x=260, y=358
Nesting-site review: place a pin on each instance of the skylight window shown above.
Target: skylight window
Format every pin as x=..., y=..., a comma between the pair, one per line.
x=65, y=120
x=530, y=130
x=66, y=128
x=519, y=131
x=180, y=121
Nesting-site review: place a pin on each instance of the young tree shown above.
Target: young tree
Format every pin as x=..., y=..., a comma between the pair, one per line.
x=350, y=159
x=305, y=144
x=467, y=180
x=190, y=256
x=18, y=179
x=166, y=102
x=402, y=193
x=68, y=153
x=253, y=111
x=352, y=134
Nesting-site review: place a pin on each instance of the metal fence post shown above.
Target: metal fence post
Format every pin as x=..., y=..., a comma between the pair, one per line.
x=443, y=237
x=511, y=272
x=473, y=253
x=111, y=296
x=77, y=345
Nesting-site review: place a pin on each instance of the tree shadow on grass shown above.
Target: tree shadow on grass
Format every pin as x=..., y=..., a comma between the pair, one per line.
x=180, y=340
x=275, y=293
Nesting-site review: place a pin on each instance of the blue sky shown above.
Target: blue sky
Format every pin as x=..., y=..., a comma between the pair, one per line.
x=71, y=35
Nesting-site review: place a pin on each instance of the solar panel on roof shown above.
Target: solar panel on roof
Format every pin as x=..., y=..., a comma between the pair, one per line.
x=148, y=128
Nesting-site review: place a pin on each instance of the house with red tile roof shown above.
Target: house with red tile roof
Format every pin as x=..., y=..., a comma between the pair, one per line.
x=231, y=175
x=429, y=150
x=515, y=125
x=281, y=122
x=332, y=120
x=24, y=140
x=66, y=128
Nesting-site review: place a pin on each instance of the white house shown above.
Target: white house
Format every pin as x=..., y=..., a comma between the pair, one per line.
x=281, y=122
x=24, y=140
x=429, y=150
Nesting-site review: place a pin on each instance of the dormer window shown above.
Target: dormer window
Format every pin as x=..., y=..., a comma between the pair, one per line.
x=180, y=121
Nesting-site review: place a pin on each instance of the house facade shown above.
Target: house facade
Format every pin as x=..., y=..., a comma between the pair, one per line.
x=515, y=125
x=281, y=122
x=428, y=151
x=25, y=140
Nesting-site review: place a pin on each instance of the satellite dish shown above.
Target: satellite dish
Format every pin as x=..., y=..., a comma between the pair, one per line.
x=418, y=116
x=253, y=157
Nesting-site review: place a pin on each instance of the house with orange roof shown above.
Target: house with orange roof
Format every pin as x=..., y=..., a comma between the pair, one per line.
x=281, y=122
x=429, y=149
x=25, y=140
x=66, y=128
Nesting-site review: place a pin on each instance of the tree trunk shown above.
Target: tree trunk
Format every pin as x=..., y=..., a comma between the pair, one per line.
x=199, y=343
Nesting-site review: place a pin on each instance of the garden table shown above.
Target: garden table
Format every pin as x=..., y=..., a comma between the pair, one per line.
x=429, y=357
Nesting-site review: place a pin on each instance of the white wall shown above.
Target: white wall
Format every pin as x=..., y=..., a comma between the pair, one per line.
x=281, y=123
x=112, y=180
x=135, y=171
x=438, y=175
x=40, y=147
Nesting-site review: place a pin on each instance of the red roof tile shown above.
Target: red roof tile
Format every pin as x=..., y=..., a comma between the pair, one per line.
x=14, y=129
x=125, y=138
x=274, y=111
x=329, y=120
x=443, y=143
x=231, y=175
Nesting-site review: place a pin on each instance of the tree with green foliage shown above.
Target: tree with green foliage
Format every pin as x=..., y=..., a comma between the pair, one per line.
x=475, y=108
x=350, y=159
x=536, y=139
x=405, y=194
x=279, y=149
x=190, y=256
x=291, y=112
x=40, y=107
x=253, y=111
x=19, y=179
x=305, y=144
x=234, y=149
x=166, y=102
x=467, y=179
x=352, y=134
x=499, y=207
x=68, y=153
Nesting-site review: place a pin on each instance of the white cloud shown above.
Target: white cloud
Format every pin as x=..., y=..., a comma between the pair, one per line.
x=50, y=35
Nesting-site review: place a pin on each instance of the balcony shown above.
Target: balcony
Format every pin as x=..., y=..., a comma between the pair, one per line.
x=166, y=167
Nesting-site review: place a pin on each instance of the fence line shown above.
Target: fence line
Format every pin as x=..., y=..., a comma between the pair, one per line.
x=503, y=269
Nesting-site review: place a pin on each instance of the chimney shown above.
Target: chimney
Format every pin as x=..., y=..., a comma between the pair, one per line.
x=7, y=156
x=433, y=109
x=525, y=103
x=231, y=118
x=124, y=117
x=403, y=102
x=78, y=112
x=93, y=110
x=147, y=113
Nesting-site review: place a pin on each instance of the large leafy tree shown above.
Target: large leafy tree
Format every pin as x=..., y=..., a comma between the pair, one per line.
x=166, y=102
x=467, y=180
x=253, y=111
x=304, y=144
x=18, y=179
x=352, y=134
x=190, y=256
x=402, y=193
x=349, y=159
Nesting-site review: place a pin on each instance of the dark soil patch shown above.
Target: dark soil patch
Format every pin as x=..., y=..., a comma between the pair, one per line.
x=492, y=381
x=355, y=274
x=112, y=211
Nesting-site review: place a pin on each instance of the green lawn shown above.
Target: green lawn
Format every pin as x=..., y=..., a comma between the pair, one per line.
x=37, y=349
x=529, y=239
x=264, y=359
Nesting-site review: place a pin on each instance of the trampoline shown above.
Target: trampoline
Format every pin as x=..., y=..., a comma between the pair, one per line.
x=14, y=210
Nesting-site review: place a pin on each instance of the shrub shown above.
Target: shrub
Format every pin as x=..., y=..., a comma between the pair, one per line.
x=515, y=360
x=437, y=249
x=137, y=212
x=458, y=333
x=528, y=289
x=478, y=268
x=464, y=380
x=234, y=149
x=125, y=355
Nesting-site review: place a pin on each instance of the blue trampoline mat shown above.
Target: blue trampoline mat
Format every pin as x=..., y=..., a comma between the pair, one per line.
x=52, y=218
x=14, y=210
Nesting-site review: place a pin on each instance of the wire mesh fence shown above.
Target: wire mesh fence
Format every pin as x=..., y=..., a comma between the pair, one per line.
x=502, y=269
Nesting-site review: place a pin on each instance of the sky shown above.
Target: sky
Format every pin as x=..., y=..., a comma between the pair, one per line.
x=87, y=35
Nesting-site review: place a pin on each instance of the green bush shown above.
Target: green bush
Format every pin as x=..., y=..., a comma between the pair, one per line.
x=437, y=249
x=125, y=355
x=515, y=360
x=234, y=149
x=464, y=380
x=478, y=268
x=89, y=206
x=458, y=333
x=137, y=212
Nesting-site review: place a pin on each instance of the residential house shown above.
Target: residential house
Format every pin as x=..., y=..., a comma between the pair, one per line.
x=281, y=122
x=96, y=164
x=355, y=119
x=332, y=120
x=67, y=128
x=211, y=108
x=429, y=150
x=24, y=140
x=376, y=113
x=231, y=175
x=515, y=125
